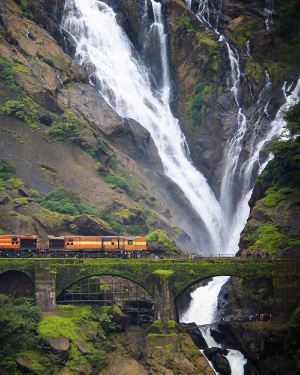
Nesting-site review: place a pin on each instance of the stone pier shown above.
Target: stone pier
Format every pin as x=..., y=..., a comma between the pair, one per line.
x=164, y=297
x=45, y=287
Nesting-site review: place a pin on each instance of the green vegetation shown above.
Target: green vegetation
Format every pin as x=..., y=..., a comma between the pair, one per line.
x=293, y=334
x=68, y=129
x=7, y=75
x=164, y=272
x=195, y=108
x=274, y=195
x=114, y=180
x=19, y=320
x=160, y=240
x=289, y=31
x=269, y=237
x=7, y=169
x=184, y=23
x=65, y=201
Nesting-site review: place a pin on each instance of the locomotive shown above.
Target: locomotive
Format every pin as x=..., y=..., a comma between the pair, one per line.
x=81, y=246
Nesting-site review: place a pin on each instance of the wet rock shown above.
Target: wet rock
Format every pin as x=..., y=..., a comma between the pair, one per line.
x=278, y=365
x=210, y=352
x=218, y=359
x=250, y=369
x=92, y=226
x=221, y=364
x=82, y=346
x=198, y=339
x=224, y=336
x=60, y=346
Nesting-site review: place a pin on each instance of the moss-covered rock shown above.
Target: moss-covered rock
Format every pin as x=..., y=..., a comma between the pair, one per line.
x=160, y=241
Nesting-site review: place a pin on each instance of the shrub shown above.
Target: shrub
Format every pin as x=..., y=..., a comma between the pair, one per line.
x=7, y=169
x=113, y=180
x=269, y=238
x=16, y=108
x=98, y=359
x=65, y=201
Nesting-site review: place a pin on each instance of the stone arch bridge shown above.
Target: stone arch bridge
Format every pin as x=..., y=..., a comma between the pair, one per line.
x=164, y=279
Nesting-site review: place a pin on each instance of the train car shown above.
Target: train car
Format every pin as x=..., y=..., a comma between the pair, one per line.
x=97, y=243
x=19, y=242
x=135, y=243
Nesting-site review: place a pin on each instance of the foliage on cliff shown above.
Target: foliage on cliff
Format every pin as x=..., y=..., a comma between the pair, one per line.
x=274, y=220
x=284, y=169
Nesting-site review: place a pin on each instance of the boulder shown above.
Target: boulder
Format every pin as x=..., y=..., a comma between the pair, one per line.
x=24, y=192
x=18, y=203
x=221, y=364
x=60, y=346
x=211, y=352
x=93, y=226
x=118, y=317
x=82, y=346
x=25, y=364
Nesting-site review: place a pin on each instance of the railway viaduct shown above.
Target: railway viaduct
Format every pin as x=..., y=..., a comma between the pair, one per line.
x=164, y=279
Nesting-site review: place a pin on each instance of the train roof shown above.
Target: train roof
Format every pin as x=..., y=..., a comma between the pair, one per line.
x=19, y=236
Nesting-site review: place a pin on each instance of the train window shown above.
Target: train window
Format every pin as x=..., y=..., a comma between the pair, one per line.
x=14, y=239
x=112, y=243
x=129, y=242
x=71, y=239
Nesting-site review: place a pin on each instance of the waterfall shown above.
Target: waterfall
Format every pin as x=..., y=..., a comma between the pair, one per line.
x=104, y=50
x=202, y=310
x=269, y=10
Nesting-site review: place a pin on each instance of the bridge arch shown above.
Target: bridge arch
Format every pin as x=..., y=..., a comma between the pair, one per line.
x=202, y=278
x=16, y=282
x=59, y=291
x=113, y=274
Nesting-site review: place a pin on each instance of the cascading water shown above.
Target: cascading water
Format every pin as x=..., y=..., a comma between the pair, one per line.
x=124, y=82
x=239, y=175
x=202, y=310
x=269, y=10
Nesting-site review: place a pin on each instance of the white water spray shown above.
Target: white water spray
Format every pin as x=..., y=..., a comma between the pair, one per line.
x=124, y=82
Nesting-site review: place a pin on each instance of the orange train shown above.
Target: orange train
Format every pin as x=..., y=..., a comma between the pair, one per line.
x=101, y=243
x=21, y=243
x=17, y=241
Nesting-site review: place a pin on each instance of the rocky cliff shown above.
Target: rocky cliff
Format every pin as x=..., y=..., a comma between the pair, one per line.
x=57, y=132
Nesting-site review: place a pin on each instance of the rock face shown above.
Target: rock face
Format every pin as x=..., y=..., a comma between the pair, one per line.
x=56, y=91
x=281, y=213
x=91, y=226
x=60, y=346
